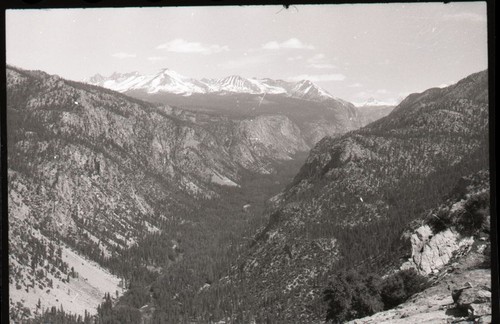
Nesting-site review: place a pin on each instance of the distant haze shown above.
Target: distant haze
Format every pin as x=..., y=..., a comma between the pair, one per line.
x=356, y=52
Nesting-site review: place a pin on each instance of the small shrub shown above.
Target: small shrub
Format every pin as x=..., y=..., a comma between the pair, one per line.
x=440, y=221
x=393, y=292
x=414, y=282
x=398, y=287
x=474, y=216
x=351, y=295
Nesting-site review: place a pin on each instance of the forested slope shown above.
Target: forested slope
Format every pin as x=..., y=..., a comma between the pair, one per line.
x=356, y=193
x=127, y=184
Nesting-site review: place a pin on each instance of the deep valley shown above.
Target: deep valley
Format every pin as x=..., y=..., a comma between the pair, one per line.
x=244, y=201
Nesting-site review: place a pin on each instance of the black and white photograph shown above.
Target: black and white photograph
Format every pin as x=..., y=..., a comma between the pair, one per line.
x=260, y=164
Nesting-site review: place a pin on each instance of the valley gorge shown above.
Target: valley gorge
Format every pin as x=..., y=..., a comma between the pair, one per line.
x=239, y=200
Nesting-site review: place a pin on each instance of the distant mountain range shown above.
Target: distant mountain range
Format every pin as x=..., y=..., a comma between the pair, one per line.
x=168, y=81
x=316, y=112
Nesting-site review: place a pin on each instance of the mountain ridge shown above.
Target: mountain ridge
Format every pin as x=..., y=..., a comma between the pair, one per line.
x=169, y=81
x=315, y=111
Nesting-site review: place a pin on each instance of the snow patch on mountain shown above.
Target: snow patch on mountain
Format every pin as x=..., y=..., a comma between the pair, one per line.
x=80, y=294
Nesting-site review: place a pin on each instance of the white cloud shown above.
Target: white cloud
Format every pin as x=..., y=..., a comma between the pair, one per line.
x=180, y=45
x=123, y=55
x=318, y=77
x=292, y=43
x=382, y=91
x=465, y=16
x=355, y=85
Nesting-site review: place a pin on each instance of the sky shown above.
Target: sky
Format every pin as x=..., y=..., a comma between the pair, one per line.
x=354, y=51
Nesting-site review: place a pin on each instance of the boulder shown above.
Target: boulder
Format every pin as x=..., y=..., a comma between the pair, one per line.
x=474, y=295
x=484, y=319
x=475, y=300
x=480, y=309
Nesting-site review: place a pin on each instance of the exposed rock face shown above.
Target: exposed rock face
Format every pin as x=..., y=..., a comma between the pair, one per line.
x=264, y=136
x=458, y=267
x=431, y=252
x=315, y=119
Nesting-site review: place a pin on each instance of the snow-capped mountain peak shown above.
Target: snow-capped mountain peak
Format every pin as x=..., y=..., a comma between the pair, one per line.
x=172, y=74
x=169, y=81
x=165, y=80
x=305, y=89
x=236, y=83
